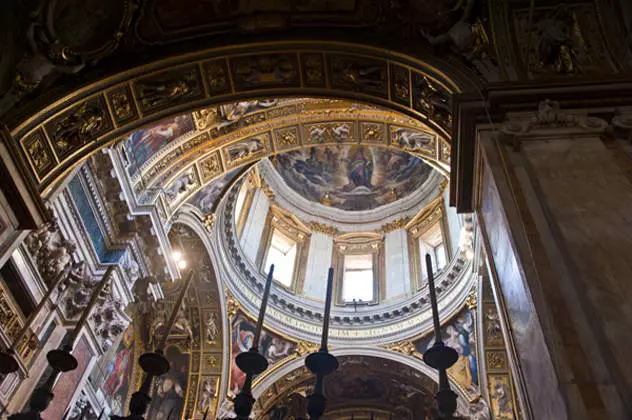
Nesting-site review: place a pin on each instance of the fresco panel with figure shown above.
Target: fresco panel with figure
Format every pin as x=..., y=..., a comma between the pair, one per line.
x=272, y=346
x=460, y=334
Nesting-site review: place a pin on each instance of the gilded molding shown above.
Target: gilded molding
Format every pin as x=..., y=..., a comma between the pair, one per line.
x=98, y=114
x=209, y=221
x=394, y=225
x=323, y=228
x=405, y=347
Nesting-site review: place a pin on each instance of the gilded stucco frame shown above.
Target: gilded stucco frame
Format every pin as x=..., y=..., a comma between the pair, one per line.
x=292, y=227
x=420, y=224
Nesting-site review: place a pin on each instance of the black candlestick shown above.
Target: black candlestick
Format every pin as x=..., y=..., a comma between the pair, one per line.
x=440, y=356
x=154, y=363
x=8, y=363
x=321, y=363
x=61, y=360
x=251, y=362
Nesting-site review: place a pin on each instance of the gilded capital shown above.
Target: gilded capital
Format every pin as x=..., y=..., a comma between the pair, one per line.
x=394, y=225
x=323, y=228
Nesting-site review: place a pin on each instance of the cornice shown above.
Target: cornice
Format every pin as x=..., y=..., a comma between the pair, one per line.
x=290, y=314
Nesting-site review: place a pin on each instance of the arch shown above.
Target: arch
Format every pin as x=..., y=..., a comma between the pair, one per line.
x=266, y=382
x=53, y=141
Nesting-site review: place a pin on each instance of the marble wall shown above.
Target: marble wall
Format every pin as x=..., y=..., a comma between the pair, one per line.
x=319, y=257
x=534, y=359
x=396, y=263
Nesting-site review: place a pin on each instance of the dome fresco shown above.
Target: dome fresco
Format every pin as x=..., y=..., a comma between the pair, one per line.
x=352, y=177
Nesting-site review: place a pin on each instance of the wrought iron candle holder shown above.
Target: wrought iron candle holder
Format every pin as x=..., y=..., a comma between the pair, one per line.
x=8, y=362
x=440, y=356
x=251, y=362
x=321, y=363
x=61, y=360
x=154, y=363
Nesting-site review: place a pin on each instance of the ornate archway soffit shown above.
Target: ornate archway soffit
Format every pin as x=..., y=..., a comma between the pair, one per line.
x=203, y=159
x=53, y=141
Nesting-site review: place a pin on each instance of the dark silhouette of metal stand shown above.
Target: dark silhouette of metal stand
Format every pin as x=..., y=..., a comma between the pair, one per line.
x=321, y=363
x=440, y=356
x=154, y=363
x=251, y=362
x=61, y=360
x=8, y=362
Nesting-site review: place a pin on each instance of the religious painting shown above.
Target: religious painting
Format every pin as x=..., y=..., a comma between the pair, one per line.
x=247, y=150
x=68, y=383
x=272, y=346
x=169, y=391
x=356, y=387
x=460, y=334
x=501, y=397
x=352, y=177
x=116, y=384
x=141, y=145
x=205, y=199
x=183, y=184
x=207, y=396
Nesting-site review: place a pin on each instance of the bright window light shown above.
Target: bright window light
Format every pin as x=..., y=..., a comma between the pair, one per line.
x=431, y=242
x=357, y=281
x=282, y=253
x=241, y=199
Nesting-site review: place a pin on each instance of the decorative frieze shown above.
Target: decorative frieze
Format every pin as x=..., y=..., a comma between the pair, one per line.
x=323, y=228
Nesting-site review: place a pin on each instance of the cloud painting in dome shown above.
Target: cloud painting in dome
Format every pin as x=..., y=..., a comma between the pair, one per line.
x=142, y=144
x=352, y=177
x=206, y=197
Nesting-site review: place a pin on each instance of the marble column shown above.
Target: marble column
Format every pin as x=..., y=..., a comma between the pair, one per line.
x=396, y=263
x=319, y=257
x=255, y=224
x=556, y=199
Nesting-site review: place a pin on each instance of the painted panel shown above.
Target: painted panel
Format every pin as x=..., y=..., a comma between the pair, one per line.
x=68, y=382
x=91, y=225
x=170, y=389
x=205, y=199
x=144, y=143
x=272, y=346
x=460, y=334
x=116, y=385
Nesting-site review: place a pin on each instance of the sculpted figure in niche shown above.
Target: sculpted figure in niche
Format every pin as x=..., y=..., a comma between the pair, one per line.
x=211, y=328
x=559, y=44
x=245, y=149
x=143, y=298
x=161, y=92
x=207, y=392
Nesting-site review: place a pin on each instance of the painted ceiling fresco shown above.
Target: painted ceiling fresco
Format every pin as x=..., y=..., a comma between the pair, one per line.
x=205, y=199
x=352, y=178
x=141, y=145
